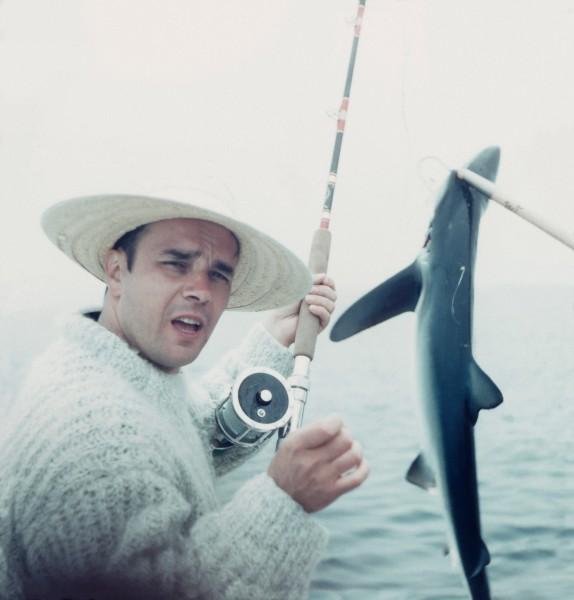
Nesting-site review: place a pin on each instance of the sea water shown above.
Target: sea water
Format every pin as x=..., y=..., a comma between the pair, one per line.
x=387, y=538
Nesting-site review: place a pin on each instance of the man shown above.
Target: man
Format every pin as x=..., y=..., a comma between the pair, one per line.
x=107, y=469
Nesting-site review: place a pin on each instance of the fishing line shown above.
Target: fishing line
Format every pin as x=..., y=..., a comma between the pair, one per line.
x=462, y=272
x=404, y=69
x=404, y=19
x=431, y=177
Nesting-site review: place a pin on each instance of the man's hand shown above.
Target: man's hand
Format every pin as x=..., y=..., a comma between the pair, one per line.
x=282, y=323
x=318, y=463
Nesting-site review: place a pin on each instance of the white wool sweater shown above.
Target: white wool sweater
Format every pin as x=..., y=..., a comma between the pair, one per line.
x=107, y=484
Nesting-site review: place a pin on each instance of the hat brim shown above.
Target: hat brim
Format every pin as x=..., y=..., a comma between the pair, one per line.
x=268, y=275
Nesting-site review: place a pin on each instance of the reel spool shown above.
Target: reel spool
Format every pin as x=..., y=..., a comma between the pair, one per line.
x=260, y=403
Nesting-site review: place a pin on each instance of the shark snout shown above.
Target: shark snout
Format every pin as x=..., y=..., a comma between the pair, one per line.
x=486, y=163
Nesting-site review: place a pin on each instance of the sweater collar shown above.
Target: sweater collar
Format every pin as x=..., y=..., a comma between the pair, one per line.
x=84, y=330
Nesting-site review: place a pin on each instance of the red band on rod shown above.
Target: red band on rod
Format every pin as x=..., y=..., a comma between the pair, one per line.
x=343, y=114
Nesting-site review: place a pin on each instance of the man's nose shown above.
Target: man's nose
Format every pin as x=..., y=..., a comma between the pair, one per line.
x=196, y=287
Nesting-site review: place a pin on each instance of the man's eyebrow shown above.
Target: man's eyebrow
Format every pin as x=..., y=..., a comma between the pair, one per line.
x=180, y=255
x=220, y=265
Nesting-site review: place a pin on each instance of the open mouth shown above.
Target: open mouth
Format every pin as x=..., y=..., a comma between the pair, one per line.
x=187, y=325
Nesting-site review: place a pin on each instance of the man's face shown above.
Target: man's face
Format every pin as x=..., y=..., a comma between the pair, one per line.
x=169, y=303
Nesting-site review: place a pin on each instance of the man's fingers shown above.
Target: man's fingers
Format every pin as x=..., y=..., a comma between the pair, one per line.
x=322, y=314
x=323, y=278
x=319, y=463
x=317, y=300
x=352, y=480
x=321, y=307
x=319, y=433
x=351, y=459
x=336, y=447
x=323, y=291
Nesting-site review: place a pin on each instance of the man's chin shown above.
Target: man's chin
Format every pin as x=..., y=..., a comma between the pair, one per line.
x=170, y=364
x=176, y=353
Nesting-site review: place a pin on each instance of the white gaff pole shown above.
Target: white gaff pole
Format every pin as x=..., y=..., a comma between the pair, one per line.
x=488, y=188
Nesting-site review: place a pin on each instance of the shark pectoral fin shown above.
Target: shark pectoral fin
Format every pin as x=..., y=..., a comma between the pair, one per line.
x=421, y=474
x=482, y=391
x=394, y=296
x=483, y=560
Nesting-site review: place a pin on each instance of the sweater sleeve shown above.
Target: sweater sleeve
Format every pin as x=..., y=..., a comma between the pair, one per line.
x=134, y=534
x=258, y=349
x=259, y=546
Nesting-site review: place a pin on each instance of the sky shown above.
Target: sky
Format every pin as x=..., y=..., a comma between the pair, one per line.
x=102, y=96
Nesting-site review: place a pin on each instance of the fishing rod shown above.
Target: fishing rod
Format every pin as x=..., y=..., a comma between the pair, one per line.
x=489, y=189
x=261, y=401
x=308, y=324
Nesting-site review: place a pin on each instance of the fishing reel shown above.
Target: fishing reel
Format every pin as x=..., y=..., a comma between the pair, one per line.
x=260, y=403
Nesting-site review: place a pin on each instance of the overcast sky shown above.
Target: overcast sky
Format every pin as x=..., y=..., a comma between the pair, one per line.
x=116, y=95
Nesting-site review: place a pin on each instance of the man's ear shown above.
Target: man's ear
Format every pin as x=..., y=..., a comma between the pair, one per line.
x=114, y=266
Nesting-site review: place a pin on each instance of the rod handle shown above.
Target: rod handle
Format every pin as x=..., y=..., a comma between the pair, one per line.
x=308, y=324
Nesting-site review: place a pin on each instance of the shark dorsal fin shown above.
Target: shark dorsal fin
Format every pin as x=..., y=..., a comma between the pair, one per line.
x=482, y=391
x=394, y=296
x=420, y=473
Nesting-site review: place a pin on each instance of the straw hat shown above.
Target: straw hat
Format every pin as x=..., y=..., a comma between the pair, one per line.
x=267, y=275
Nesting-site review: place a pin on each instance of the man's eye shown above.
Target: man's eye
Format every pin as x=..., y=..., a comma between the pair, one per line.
x=218, y=275
x=175, y=264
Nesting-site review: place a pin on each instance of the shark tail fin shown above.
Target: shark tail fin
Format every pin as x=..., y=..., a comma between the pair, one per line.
x=420, y=473
x=394, y=296
x=482, y=391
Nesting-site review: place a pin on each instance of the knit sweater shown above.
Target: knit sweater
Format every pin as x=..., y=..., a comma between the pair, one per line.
x=107, y=484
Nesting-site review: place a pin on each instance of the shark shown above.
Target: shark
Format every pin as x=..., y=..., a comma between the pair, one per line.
x=438, y=287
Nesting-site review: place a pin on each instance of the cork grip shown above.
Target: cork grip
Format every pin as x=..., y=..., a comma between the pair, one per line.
x=308, y=325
